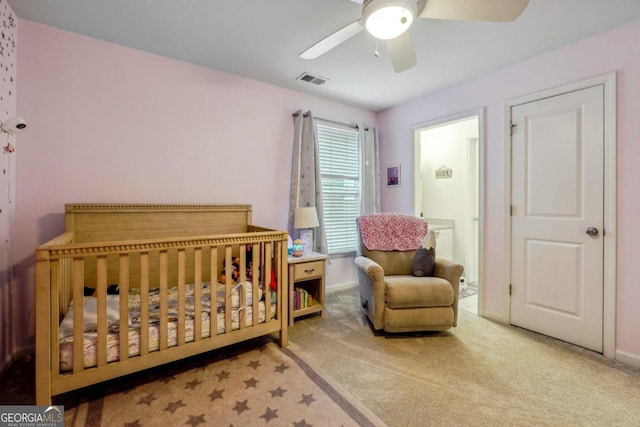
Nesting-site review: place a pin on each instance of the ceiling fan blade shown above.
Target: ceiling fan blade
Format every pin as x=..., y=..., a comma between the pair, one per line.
x=333, y=40
x=402, y=53
x=474, y=10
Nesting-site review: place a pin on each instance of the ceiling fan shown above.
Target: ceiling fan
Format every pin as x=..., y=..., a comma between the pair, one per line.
x=389, y=20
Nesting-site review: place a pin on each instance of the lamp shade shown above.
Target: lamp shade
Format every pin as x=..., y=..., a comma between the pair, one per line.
x=387, y=19
x=306, y=217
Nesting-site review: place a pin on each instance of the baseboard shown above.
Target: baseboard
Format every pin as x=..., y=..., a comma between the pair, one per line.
x=495, y=317
x=628, y=358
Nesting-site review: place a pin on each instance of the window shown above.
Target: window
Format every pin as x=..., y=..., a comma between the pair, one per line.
x=339, y=170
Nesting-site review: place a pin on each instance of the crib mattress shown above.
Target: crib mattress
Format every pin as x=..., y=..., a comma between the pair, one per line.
x=66, y=343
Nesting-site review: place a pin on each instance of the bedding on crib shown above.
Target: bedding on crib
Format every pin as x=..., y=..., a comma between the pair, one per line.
x=242, y=289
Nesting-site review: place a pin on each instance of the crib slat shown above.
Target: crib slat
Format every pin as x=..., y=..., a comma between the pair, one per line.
x=213, y=313
x=124, y=307
x=101, y=290
x=144, y=303
x=46, y=372
x=283, y=284
x=197, y=294
x=228, y=307
x=255, y=283
x=181, y=296
x=242, y=292
x=55, y=317
x=267, y=282
x=243, y=264
x=66, y=290
x=164, y=312
x=78, y=314
x=283, y=292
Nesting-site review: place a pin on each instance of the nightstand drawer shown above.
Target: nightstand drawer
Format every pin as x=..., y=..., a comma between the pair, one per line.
x=308, y=270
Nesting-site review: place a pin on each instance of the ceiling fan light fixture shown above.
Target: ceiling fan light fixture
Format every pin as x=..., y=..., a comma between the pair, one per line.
x=387, y=19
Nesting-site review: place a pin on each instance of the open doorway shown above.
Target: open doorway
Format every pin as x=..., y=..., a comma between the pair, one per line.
x=448, y=187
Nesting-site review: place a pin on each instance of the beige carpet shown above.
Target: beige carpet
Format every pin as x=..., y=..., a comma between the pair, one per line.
x=254, y=384
x=480, y=373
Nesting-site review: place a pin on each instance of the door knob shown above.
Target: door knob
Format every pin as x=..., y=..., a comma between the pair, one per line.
x=592, y=231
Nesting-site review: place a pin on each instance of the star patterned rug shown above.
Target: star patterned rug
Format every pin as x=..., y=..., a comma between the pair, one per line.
x=257, y=385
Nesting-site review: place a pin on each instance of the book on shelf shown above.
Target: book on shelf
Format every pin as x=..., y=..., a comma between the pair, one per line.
x=302, y=299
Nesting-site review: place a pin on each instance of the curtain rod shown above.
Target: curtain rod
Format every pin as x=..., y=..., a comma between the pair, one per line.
x=329, y=121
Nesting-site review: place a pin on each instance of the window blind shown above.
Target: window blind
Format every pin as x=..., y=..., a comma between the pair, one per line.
x=339, y=170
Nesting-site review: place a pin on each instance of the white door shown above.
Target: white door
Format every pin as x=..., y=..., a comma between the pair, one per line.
x=557, y=217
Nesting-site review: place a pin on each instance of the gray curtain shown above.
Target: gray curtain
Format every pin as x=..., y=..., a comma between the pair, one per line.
x=306, y=186
x=369, y=170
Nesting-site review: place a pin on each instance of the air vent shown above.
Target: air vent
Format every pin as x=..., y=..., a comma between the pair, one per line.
x=310, y=78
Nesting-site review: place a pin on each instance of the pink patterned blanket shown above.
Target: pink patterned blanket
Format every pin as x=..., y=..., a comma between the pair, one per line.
x=391, y=231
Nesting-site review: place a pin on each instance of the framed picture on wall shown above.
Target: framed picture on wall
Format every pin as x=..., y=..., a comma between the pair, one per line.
x=393, y=176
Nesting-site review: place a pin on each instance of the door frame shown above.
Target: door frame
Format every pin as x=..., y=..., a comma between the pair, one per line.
x=610, y=200
x=417, y=187
x=473, y=207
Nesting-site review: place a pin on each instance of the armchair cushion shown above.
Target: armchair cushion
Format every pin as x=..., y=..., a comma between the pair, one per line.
x=412, y=292
x=392, y=262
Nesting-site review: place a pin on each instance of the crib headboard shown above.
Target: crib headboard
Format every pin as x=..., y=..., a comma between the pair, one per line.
x=91, y=222
x=93, y=229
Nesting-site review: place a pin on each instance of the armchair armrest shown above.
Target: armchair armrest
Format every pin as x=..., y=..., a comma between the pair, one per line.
x=371, y=284
x=451, y=272
x=370, y=268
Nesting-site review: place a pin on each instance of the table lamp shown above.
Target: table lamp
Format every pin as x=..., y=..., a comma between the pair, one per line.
x=305, y=219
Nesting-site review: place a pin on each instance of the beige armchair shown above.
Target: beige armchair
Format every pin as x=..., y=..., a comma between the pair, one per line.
x=397, y=301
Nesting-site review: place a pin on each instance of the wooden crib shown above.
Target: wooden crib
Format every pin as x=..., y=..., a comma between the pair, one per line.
x=152, y=251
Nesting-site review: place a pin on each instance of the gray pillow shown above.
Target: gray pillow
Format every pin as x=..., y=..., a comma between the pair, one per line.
x=424, y=262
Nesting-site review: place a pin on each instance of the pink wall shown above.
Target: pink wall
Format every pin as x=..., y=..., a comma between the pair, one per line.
x=112, y=124
x=8, y=158
x=615, y=50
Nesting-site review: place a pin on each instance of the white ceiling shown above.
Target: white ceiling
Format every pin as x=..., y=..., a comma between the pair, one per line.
x=261, y=39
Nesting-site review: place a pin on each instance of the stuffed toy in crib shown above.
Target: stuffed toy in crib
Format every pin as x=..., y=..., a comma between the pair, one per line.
x=235, y=270
x=235, y=267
